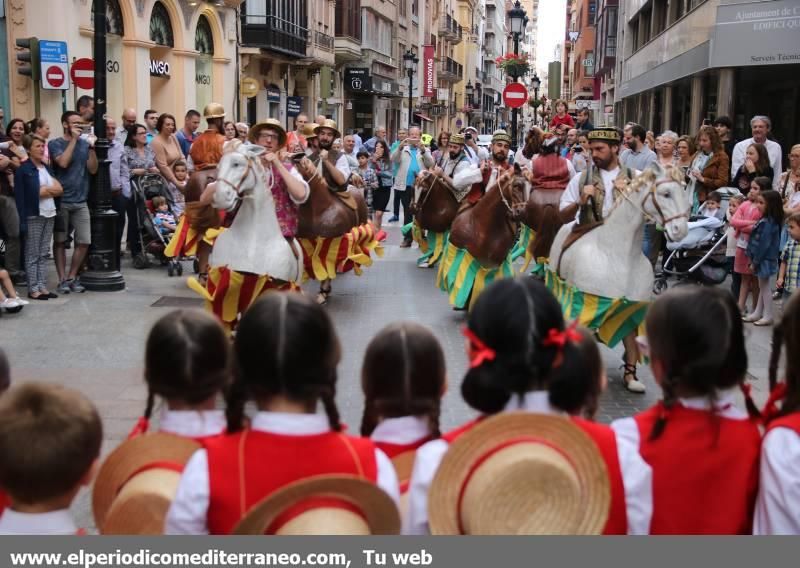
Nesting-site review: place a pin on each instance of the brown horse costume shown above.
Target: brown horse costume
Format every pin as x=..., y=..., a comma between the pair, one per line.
x=198, y=218
x=434, y=211
x=541, y=224
x=481, y=238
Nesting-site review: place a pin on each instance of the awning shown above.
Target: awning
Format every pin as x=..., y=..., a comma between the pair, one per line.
x=422, y=116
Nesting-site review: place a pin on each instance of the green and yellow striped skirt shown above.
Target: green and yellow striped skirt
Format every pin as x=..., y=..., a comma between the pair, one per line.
x=431, y=244
x=463, y=277
x=612, y=318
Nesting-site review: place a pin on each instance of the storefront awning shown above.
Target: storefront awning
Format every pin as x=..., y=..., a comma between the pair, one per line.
x=423, y=117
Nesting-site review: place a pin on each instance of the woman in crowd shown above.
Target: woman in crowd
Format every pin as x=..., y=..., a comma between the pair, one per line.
x=137, y=159
x=241, y=131
x=710, y=166
x=36, y=193
x=15, y=130
x=383, y=169
x=440, y=154
x=666, y=148
x=756, y=164
x=685, y=148
x=167, y=149
x=230, y=130
x=41, y=128
x=789, y=188
x=561, y=116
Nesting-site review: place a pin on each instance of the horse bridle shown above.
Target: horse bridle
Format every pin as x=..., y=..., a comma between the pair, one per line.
x=238, y=186
x=651, y=194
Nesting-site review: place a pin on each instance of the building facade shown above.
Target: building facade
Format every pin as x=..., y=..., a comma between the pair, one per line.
x=579, y=47
x=690, y=60
x=166, y=55
x=605, y=55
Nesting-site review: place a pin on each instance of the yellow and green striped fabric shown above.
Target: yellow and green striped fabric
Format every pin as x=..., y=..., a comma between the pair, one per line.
x=613, y=318
x=431, y=244
x=463, y=277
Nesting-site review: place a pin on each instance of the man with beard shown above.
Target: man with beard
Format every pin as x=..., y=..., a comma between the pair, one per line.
x=457, y=169
x=335, y=170
x=599, y=183
x=492, y=168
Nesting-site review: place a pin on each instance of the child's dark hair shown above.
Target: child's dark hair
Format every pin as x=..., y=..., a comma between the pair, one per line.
x=513, y=317
x=737, y=197
x=577, y=380
x=5, y=371
x=714, y=196
x=794, y=218
x=764, y=183
x=187, y=358
x=159, y=200
x=403, y=375
x=774, y=204
x=285, y=345
x=362, y=154
x=49, y=438
x=696, y=334
x=787, y=333
x=179, y=164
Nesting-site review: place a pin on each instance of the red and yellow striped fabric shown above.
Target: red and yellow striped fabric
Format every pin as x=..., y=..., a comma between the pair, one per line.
x=324, y=258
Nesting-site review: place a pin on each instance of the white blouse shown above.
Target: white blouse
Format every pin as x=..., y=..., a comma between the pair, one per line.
x=189, y=511
x=47, y=205
x=51, y=523
x=778, y=504
x=636, y=474
x=192, y=423
x=403, y=430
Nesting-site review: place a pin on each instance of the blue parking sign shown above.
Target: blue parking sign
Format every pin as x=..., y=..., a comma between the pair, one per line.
x=54, y=62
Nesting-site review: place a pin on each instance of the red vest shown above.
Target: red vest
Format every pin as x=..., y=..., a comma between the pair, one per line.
x=550, y=172
x=790, y=421
x=245, y=467
x=478, y=189
x=705, y=471
x=606, y=442
x=4, y=501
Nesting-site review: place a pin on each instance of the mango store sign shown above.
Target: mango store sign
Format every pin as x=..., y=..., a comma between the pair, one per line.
x=159, y=68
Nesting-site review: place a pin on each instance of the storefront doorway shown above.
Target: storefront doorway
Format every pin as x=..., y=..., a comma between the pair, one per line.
x=203, y=66
x=162, y=95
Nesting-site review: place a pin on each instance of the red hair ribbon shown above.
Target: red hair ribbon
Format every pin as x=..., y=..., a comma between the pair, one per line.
x=771, y=407
x=556, y=338
x=142, y=426
x=480, y=352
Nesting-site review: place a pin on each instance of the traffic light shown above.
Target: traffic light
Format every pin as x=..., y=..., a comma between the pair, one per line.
x=28, y=57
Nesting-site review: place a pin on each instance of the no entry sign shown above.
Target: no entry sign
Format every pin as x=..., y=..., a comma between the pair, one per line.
x=55, y=76
x=82, y=73
x=515, y=95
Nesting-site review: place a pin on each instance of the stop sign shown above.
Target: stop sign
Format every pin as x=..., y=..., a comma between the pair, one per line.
x=515, y=95
x=55, y=76
x=82, y=73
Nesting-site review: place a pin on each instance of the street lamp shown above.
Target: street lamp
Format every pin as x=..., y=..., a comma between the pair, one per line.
x=469, y=90
x=410, y=61
x=518, y=19
x=103, y=274
x=536, y=83
x=479, y=101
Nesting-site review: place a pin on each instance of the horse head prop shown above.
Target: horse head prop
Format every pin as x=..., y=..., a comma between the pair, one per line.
x=608, y=260
x=437, y=206
x=254, y=243
x=488, y=229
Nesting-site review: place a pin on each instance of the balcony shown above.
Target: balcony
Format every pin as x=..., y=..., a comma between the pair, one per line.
x=324, y=41
x=450, y=29
x=274, y=34
x=449, y=70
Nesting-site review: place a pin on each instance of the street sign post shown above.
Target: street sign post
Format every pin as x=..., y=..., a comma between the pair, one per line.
x=54, y=64
x=515, y=95
x=82, y=73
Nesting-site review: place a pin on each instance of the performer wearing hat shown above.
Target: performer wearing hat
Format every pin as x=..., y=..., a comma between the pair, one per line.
x=310, y=134
x=457, y=169
x=206, y=150
x=494, y=166
x=335, y=168
x=600, y=183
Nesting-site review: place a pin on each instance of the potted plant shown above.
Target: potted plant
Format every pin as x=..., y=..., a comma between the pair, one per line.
x=513, y=64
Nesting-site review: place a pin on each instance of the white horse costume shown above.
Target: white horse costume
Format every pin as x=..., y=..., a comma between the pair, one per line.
x=603, y=279
x=252, y=256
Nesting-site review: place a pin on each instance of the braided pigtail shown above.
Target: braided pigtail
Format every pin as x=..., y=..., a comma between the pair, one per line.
x=327, y=396
x=775, y=355
x=434, y=415
x=665, y=406
x=369, y=420
x=235, y=399
x=151, y=401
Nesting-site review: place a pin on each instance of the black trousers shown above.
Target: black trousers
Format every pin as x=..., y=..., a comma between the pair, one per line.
x=406, y=198
x=397, y=197
x=120, y=205
x=134, y=244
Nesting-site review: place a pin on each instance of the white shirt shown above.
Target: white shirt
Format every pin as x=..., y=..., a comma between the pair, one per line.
x=47, y=205
x=50, y=523
x=573, y=192
x=627, y=432
x=778, y=504
x=343, y=165
x=775, y=158
x=188, y=513
x=192, y=423
x=403, y=430
x=636, y=474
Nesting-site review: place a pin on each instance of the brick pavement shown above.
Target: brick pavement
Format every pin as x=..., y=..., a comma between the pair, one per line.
x=95, y=342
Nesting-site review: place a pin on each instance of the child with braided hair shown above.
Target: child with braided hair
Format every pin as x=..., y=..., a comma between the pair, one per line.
x=523, y=359
x=703, y=451
x=403, y=379
x=778, y=504
x=287, y=352
x=187, y=364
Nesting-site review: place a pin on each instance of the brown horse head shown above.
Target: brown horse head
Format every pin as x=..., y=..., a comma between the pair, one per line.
x=437, y=206
x=541, y=213
x=488, y=229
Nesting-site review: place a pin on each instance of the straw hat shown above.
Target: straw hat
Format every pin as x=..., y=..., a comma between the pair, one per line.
x=137, y=483
x=272, y=124
x=330, y=124
x=521, y=473
x=323, y=505
x=310, y=130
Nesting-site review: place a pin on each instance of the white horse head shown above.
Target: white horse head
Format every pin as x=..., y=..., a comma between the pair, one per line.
x=664, y=199
x=237, y=175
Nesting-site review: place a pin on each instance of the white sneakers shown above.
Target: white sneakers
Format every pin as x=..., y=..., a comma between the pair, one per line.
x=9, y=303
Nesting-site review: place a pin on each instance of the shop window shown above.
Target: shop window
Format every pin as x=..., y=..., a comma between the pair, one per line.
x=114, y=22
x=203, y=38
x=161, y=27
x=588, y=64
x=592, y=12
x=203, y=72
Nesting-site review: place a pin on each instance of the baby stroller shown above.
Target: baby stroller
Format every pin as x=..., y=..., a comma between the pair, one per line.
x=151, y=241
x=704, y=263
